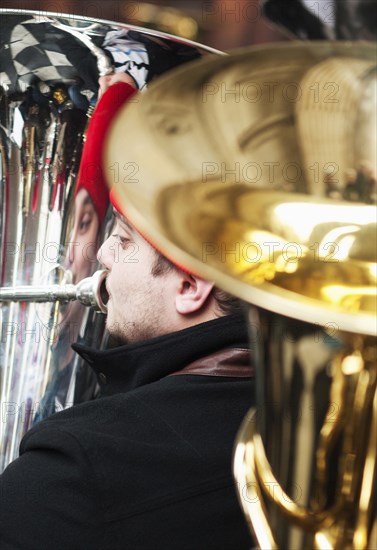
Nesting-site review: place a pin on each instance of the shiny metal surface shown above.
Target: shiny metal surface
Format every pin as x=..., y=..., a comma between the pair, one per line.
x=46, y=229
x=89, y=292
x=261, y=176
x=305, y=460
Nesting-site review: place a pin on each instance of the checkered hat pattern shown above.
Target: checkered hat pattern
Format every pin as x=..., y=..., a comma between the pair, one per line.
x=35, y=55
x=36, y=50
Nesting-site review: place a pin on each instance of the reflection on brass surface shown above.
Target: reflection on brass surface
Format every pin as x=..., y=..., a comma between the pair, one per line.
x=258, y=171
x=323, y=251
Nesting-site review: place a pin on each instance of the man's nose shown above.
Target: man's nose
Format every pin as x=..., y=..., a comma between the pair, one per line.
x=105, y=255
x=70, y=254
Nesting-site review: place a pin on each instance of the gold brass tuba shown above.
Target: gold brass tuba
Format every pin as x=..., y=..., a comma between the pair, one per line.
x=48, y=239
x=260, y=175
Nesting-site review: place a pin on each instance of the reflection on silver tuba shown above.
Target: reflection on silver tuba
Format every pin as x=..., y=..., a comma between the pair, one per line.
x=52, y=220
x=270, y=192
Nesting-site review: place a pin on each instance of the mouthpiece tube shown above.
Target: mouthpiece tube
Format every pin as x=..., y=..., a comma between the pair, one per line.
x=90, y=292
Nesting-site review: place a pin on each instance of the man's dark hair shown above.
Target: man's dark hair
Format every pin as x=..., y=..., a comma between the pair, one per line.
x=227, y=303
x=161, y=265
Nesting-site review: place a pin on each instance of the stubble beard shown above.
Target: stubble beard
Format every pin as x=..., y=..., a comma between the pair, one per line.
x=147, y=326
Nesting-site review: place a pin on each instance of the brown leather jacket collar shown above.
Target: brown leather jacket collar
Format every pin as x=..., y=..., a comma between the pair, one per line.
x=233, y=362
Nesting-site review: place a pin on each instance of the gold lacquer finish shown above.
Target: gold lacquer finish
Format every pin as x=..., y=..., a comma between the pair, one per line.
x=258, y=171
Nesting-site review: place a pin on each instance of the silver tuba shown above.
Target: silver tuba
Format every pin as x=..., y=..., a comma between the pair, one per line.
x=266, y=184
x=50, y=233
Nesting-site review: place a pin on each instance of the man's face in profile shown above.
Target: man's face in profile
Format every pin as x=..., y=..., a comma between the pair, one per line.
x=141, y=304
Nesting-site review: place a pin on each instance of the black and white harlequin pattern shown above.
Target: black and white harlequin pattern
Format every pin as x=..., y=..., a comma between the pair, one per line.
x=34, y=54
x=32, y=50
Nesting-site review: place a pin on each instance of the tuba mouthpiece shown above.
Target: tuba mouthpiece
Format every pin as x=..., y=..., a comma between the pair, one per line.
x=90, y=292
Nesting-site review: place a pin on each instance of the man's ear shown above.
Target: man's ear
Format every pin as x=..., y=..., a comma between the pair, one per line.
x=192, y=295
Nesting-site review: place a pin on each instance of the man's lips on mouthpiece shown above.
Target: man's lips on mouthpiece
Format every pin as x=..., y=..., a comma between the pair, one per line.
x=105, y=294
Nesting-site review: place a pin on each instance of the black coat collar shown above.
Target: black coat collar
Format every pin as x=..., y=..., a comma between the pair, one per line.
x=130, y=366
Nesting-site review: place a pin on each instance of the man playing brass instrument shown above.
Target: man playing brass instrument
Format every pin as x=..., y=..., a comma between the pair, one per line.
x=148, y=464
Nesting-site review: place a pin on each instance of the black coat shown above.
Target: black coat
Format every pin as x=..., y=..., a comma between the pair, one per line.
x=146, y=466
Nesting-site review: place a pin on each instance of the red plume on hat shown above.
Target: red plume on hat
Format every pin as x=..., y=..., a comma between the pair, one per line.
x=91, y=176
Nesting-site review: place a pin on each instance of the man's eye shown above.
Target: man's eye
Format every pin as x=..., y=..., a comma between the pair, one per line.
x=123, y=241
x=85, y=223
